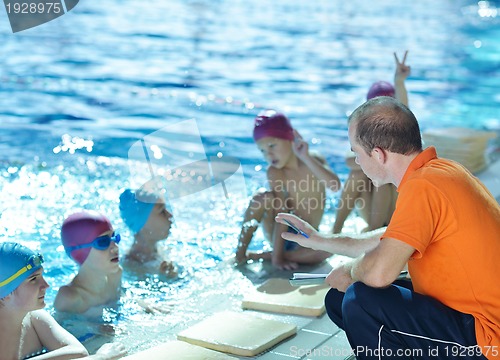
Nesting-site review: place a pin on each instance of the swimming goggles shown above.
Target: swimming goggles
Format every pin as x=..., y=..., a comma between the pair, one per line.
x=100, y=243
x=33, y=262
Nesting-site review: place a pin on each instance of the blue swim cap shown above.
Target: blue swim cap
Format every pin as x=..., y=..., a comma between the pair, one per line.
x=17, y=263
x=135, y=208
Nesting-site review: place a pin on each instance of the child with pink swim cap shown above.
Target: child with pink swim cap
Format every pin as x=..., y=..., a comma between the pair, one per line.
x=375, y=205
x=298, y=181
x=89, y=239
x=28, y=331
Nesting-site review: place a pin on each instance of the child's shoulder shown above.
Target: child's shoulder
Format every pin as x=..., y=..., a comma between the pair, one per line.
x=67, y=297
x=39, y=316
x=68, y=290
x=318, y=156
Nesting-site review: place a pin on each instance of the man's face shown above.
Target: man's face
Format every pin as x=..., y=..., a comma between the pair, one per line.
x=370, y=164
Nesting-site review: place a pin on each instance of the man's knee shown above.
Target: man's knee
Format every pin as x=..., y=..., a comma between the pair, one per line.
x=333, y=298
x=333, y=305
x=358, y=298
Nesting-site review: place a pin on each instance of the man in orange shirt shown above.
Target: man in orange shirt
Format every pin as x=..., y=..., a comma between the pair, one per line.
x=446, y=228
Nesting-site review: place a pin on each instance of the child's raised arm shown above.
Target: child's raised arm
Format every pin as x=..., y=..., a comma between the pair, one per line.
x=320, y=169
x=402, y=72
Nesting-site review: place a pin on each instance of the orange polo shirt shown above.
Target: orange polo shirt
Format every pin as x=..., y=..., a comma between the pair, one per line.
x=453, y=222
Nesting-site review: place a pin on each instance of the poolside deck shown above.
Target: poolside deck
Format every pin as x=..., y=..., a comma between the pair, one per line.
x=317, y=337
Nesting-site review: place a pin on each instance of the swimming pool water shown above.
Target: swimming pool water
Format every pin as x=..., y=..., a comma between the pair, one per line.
x=78, y=92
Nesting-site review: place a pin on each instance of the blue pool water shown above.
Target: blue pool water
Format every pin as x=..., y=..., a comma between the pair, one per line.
x=78, y=92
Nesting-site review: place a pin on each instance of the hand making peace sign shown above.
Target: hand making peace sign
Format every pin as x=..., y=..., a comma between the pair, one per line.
x=402, y=70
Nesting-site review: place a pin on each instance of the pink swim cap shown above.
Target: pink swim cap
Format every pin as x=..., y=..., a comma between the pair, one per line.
x=272, y=124
x=82, y=228
x=380, y=88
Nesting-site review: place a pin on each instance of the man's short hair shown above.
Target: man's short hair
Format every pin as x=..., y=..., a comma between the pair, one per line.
x=388, y=124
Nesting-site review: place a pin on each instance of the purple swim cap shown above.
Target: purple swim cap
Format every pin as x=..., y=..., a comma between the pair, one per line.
x=272, y=124
x=82, y=228
x=380, y=88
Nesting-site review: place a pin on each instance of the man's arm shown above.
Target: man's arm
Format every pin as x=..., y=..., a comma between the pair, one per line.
x=352, y=245
x=382, y=265
x=378, y=267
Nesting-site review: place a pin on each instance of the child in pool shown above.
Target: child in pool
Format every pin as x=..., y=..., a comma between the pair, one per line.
x=375, y=205
x=89, y=239
x=145, y=214
x=298, y=182
x=28, y=330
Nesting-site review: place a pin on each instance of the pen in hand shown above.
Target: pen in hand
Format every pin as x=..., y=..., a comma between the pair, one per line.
x=296, y=229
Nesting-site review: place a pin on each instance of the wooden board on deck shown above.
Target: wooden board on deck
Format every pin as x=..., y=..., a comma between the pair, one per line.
x=237, y=333
x=178, y=350
x=277, y=295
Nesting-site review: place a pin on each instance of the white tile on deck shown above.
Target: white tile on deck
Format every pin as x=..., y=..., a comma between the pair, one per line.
x=274, y=356
x=322, y=325
x=300, y=344
x=335, y=348
x=299, y=321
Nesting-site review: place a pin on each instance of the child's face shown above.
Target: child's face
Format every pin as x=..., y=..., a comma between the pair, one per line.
x=107, y=260
x=30, y=295
x=276, y=151
x=159, y=222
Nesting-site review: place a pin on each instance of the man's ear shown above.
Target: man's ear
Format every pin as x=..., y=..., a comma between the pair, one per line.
x=379, y=154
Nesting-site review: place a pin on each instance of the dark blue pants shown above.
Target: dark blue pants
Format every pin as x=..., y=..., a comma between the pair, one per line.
x=398, y=323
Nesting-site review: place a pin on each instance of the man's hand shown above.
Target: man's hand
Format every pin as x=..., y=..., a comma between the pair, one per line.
x=301, y=225
x=340, y=278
